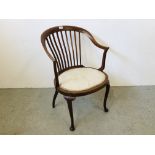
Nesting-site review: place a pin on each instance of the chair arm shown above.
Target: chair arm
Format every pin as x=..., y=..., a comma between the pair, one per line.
x=104, y=52
x=90, y=36
x=105, y=49
x=97, y=44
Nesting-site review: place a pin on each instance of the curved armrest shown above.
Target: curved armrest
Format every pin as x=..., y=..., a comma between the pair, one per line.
x=97, y=44
x=90, y=36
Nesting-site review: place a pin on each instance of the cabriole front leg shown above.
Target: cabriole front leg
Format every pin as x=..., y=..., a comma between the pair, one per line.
x=70, y=108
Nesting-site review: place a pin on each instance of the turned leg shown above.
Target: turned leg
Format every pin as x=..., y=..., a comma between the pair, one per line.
x=70, y=108
x=54, y=98
x=106, y=96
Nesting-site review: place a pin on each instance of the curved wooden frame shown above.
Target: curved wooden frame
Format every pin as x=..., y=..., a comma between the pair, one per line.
x=51, y=38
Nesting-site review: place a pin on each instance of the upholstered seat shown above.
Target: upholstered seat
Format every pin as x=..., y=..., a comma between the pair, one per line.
x=79, y=79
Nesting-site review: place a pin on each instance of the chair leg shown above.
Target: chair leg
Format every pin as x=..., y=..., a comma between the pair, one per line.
x=106, y=96
x=54, y=98
x=70, y=108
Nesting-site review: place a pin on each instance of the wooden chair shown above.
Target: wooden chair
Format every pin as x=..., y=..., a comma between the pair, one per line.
x=72, y=79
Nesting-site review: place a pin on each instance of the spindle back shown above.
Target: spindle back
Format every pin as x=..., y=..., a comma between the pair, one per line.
x=63, y=45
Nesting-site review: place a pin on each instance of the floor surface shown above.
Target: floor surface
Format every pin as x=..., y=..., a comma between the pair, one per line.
x=29, y=111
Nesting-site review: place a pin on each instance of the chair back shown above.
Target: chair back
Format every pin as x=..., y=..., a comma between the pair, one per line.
x=63, y=45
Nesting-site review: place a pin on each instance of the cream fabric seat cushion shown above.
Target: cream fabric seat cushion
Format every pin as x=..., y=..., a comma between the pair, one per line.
x=79, y=79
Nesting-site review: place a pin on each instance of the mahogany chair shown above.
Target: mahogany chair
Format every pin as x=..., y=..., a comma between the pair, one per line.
x=63, y=44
